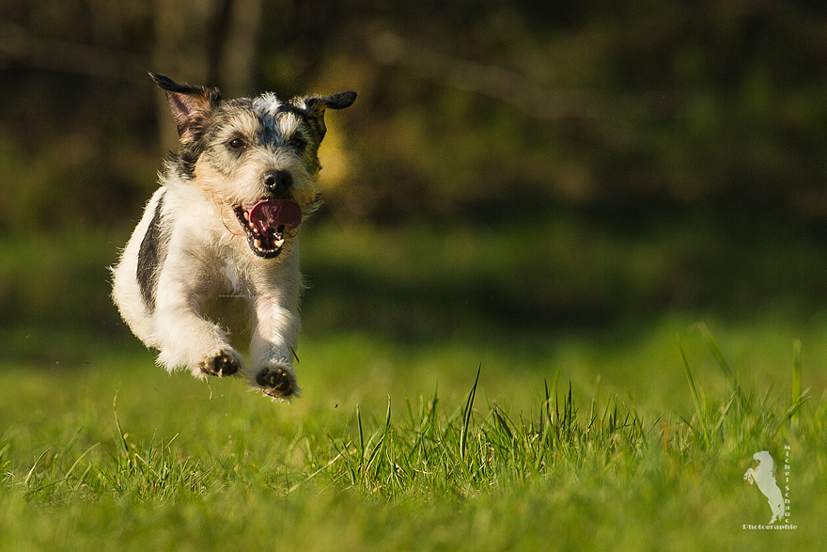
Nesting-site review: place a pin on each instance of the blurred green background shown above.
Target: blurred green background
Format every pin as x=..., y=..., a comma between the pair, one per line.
x=512, y=172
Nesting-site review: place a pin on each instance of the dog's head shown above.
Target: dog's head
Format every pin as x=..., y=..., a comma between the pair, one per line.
x=257, y=158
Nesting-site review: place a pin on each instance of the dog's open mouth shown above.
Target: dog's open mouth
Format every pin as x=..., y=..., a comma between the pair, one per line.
x=265, y=223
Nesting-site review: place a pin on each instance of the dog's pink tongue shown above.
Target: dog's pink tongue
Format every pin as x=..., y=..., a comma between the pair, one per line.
x=272, y=213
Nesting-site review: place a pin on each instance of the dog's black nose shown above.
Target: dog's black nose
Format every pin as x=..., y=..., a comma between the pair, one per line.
x=278, y=183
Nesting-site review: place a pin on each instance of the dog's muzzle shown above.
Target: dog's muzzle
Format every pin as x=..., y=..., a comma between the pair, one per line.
x=266, y=222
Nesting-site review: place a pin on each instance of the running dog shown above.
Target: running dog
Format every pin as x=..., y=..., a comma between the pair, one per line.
x=218, y=244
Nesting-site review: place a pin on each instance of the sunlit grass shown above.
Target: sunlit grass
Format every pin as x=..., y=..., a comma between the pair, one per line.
x=423, y=425
x=117, y=455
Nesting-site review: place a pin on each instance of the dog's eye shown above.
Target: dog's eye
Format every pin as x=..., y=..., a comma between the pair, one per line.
x=236, y=143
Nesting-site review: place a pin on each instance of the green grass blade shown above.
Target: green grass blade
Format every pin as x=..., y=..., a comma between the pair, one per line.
x=716, y=352
x=466, y=416
x=361, y=435
x=121, y=435
x=692, y=389
x=79, y=459
x=34, y=466
x=502, y=423
x=388, y=416
x=723, y=364
x=796, y=398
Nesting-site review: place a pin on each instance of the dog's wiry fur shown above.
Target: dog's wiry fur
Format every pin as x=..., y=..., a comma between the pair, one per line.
x=217, y=246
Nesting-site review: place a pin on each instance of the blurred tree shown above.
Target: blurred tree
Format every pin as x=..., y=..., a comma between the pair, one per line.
x=211, y=42
x=632, y=118
x=470, y=102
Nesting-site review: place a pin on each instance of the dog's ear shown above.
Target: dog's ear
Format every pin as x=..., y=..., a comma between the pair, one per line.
x=191, y=106
x=334, y=101
x=315, y=107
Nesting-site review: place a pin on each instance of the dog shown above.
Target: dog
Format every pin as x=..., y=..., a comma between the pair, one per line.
x=763, y=476
x=217, y=248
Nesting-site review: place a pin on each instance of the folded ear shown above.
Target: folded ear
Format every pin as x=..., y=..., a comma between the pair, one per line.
x=191, y=106
x=315, y=107
x=334, y=101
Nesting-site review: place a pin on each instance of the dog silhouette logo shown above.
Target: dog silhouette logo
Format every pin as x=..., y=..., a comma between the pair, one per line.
x=763, y=475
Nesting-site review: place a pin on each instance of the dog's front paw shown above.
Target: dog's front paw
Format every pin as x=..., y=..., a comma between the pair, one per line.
x=278, y=382
x=225, y=363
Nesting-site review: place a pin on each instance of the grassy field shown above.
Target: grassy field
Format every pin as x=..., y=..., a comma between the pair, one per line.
x=573, y=442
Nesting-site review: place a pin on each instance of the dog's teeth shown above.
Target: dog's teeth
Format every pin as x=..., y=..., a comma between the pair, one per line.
x=279, y=243
x=257, y=243
x=247, y=216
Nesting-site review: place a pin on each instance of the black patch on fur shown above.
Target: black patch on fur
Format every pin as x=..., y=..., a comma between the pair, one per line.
x=150, y=257
x=184, y=161
x=290, y=108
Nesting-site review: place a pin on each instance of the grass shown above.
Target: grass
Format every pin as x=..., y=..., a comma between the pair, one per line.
x=428, y=425
x=116, y=455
